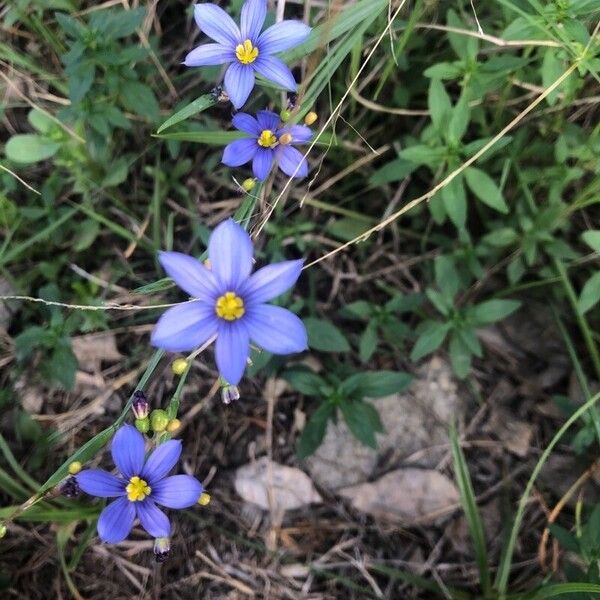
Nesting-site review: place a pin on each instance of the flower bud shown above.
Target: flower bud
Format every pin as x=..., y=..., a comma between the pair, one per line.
x=285, y=139
x=140, y=406
x=69, y=487
x=74, y=467
x=229, y=393
x=248, y=184
x=204, y=499
x=162, y=547
x=179, y=365
x=285, y=115
x=143, y=425
x=173, y=425
x=3, y=530
x=159, y=419
x=310, y=118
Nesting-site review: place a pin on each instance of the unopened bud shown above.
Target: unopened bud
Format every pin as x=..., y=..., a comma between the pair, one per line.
x=204, y=499
x=162, y=547
x=74, y=467
x=179, y=365
x=285, y=139
x=159, y=419
x=310, y=118
x=140, y=407
x=3, y=530
x=173, y=425
x=248, y=184
x=229, y=393
x=143, y=425
x=285, y=115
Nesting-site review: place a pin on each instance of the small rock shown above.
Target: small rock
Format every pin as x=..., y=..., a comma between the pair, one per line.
x=405, y=496
x=275, y=487
x=416, y=431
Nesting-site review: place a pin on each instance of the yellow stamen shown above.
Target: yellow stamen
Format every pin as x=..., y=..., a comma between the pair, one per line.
x=246, y=53
x=204, y=499
x=267, y=139
x=137, y=489
x=74, y=467
x=230, y=307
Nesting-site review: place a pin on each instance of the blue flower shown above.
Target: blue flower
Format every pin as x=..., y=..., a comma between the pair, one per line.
x=140, y=486
x=231, y=303
x=269, y=143
x=245, y=47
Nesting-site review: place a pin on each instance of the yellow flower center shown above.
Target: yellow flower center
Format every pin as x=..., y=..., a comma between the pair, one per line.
x=137, y=489
x=246, y=53
x=230, y=306
x=267, y=139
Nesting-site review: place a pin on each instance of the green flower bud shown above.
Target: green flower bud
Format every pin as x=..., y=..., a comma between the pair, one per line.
x=159, y=419
x=143, y=425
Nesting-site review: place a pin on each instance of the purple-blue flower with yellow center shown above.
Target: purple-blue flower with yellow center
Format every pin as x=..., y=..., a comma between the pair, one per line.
x=230, y=303
x=139, y=487
x=269, y=143
x=245, y=47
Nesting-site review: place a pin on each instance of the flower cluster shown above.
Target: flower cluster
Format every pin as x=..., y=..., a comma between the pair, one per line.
x=245, y=49
x=139, y=487
x=230, y=303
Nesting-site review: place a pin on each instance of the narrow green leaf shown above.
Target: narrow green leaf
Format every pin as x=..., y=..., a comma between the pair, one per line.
x=216, y=138
x=590, y=294
x=439, y=105
x=483, y=186
x=314, y=430
x=491, y=311
x=362, y=420
x=193, y=108
x=431, y=338
x=592, y=239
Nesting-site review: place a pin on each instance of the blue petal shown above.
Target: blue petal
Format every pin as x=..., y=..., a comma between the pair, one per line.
x=115, y=521
x=97, y=482
x=189, y=274
x=239, y=152
x=267, y=120
x=300, y=133
x=231, y=351
x=271, y=281
x=185, y=327
x=161, y=461
x=276, y=71
x=217, y=24
x=244, y=122
x=127, y=450
x=253, y=18
x=178, y=491
x=262, y=163
x=152, y=519
x=276, y=329
x=230, y=251
x=239, y=81
x=283, y=36
x=209, y=54
x=291, y=162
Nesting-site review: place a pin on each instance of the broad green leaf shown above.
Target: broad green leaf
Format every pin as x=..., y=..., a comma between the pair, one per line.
x=362, y=420
x=420, y=154
x=567, y=540
x=455, y=201
x=376, y=384
x=439, y=301
x=63, y=364
x=444, y=70
x=590, y=294
x=360, y=308
x=305, y=381
x=460, y=356
x=314, y=430
x=368, y=342
x=325, y=336
x=485, y=189
x=446, y=276
x=193, y=108
x=504, y=236
x=430, y=339
x=465, y=46
x=491, y=311
x=396, y=170
x=439, y=105
x=592, y=239
x=347, y=228
x=552, y=69
x=40, y=120
x=140, y=99
x=459, y=119
x=30, y=148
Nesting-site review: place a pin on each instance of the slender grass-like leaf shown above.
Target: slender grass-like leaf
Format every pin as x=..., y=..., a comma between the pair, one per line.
x=193, y=108
x=214, y=138
x=472, y=514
